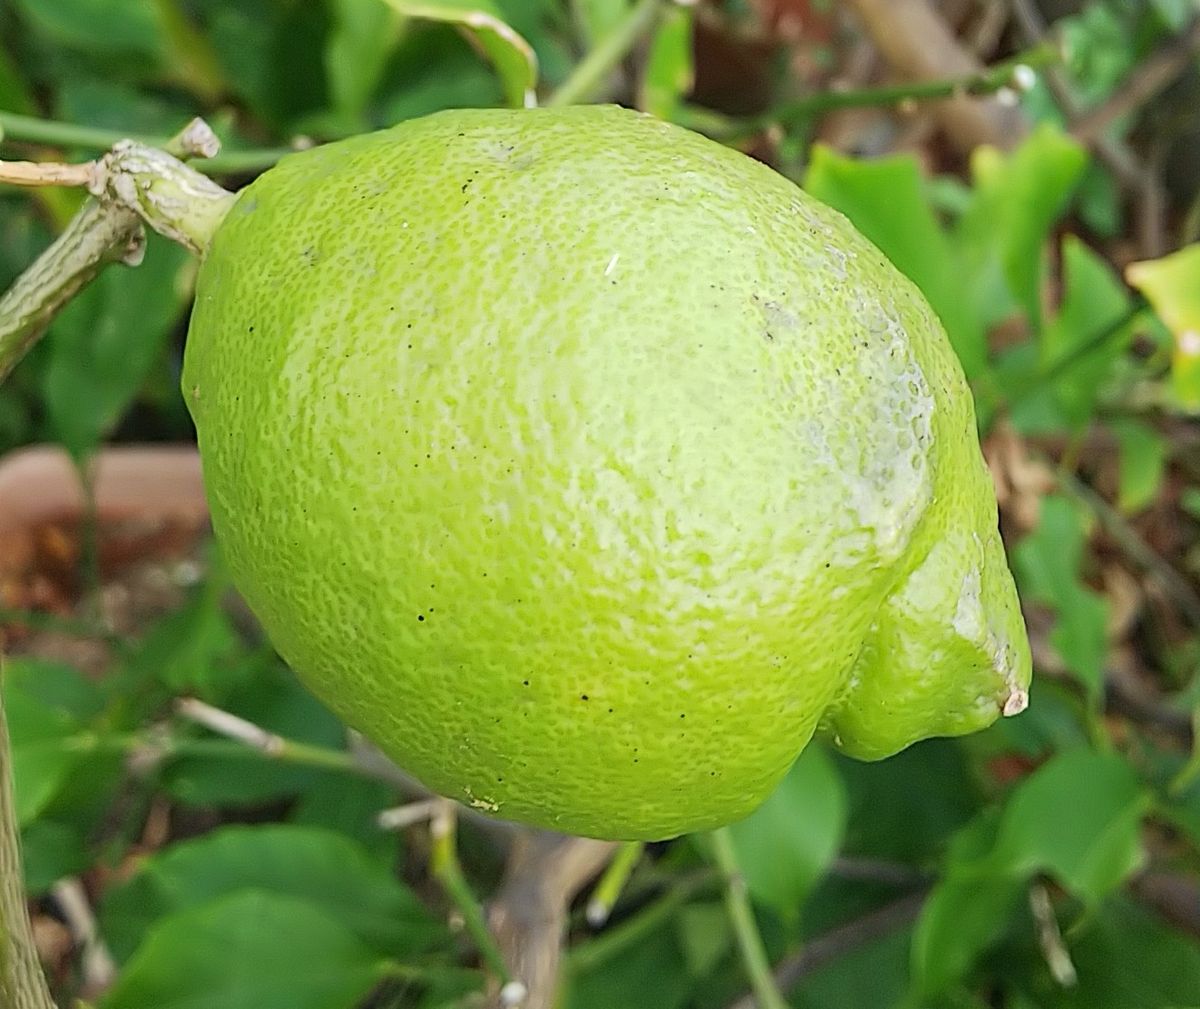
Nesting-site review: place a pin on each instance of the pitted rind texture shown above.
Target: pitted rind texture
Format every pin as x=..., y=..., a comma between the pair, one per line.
x=587, y=466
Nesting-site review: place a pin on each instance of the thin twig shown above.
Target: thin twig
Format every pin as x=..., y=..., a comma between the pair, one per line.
x=1136, y=548
x=608, y=890
x=919, y=46
x=31, y=129
x=615, y=940
x=408, y=815
x=96, y=963
x=745, y=928
x=590, y=73
x=1147, y=79
x=273, y=745
x=444, y=865
x=1116, y=155
x=33, y=173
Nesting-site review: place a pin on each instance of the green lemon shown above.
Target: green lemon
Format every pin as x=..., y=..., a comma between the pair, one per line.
x=589, y=467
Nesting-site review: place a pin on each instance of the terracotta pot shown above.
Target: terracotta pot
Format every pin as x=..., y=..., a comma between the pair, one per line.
x=149, y=501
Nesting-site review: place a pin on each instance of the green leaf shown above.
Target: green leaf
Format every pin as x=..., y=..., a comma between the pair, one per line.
x=1127, y=958
x=434, y=68
x=326, y=869
x=598, y=17
x=1018, y=197
x=250, y=950
x=1097, y=846
x=1047, y=563
x=105, y=341
x=872, y=975
x=364, y=33
x=786, y=845
x=350, y=806
x=42, y=762
x=886, y=201
x=889, y=819
x=1093, y=300
x=1172, y=286
x=704, y=936
x=508, y=51
x=965, y=914
x=668, y=72
x=52, y=851
x=195, y=649
x=1141, y=465
x=100, y=26
x=653, y=972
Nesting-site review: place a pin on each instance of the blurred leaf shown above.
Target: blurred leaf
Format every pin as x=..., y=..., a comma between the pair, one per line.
x=1141, y=464
x=273, y=56
x=1093, y=300
x=102, y=102
x=325, y=868
x=1090, y=852
x=1017, y=200
x=114, y=26
x=350, y=806
x=1172, y=286
x=105, y=341
x=194, y=649
x=704, y=936
x=786, y=844
x=52, y=851
x=433, y=68
x=889, y=819
x=653, y=972
x=38, y=729
x=1048, y=563
x=1094, y=849
x=1127, y=958
x=965, y=914
x=512, y=56
x=250, y=950
x=885, y=200
x=870, y=976
x=668, y=73
x=15, y=95
x=598, y=17
x=364, y=33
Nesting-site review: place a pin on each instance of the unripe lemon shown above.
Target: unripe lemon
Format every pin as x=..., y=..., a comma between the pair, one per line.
x=589, y=467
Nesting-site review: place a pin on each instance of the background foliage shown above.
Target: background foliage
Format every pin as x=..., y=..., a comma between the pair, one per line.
x=1049, y=862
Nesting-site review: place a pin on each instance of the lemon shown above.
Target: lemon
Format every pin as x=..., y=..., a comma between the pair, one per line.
x=589, y=467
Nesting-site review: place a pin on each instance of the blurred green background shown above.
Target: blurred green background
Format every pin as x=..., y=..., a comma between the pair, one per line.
x=1048, y=212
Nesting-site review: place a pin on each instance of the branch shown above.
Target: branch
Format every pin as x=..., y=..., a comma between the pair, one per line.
x=96, y=237
x=919, y=46
x=741, y=916
x=22, y=985
x=1150, y=77
x=30, y=129
x=529, y=915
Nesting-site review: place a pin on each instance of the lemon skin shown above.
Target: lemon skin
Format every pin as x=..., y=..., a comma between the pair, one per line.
x=589, y=467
